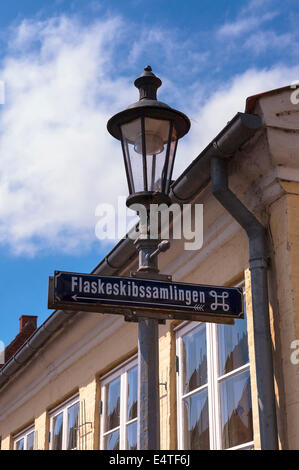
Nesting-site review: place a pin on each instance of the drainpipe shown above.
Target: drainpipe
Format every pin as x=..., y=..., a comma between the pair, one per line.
x=260, y=304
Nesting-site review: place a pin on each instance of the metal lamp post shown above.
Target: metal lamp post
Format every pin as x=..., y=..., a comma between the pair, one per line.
x=149, y=131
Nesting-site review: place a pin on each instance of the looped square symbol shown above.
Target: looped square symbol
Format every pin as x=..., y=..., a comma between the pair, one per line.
x=219, y=300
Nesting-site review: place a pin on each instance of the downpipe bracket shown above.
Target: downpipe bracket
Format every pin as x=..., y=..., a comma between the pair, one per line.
x=255, y=263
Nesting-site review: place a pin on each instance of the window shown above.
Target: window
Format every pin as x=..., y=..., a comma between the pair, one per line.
x=119, y=408
x=64, y=426
x=214, y=395
x=25, y=439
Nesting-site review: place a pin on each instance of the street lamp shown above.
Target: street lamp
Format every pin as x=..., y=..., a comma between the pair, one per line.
x=149, y=131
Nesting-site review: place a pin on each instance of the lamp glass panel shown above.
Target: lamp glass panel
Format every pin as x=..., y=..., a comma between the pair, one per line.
x=153, y=172
x=131, y=132
x=172, y=152
x=156, y=138
x=156, y=135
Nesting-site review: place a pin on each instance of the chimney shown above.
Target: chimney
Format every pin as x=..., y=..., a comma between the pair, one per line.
x=24, y=319
x=28, y=324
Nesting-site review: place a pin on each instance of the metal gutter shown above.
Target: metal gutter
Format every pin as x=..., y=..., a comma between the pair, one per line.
x=258, y=265
x=241, y=128
x=197, y=175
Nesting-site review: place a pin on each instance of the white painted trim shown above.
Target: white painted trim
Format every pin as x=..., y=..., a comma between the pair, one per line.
x=246, y=446
x=114, y=372
x=62, y=408
x=70, y=401
x=120, y=372
x=23, y=435
x=216, y=394
x=233, y=372
x=212, y=390
x=196, y=390
x=180, y=395
x=181, y=325
x=213, y=383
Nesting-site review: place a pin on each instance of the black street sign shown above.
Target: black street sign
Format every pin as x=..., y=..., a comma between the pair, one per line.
x=135, y=297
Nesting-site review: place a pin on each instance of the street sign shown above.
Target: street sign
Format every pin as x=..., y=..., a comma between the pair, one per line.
x=135, y=297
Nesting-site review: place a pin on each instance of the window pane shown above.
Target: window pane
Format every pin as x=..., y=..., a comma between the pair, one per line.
x=57, y=432
x=194, y=359
x=20, y=444
x=196, y=420
x=73, y=421
x=113, y=404
x=132, y=393
x=132, y=436
x=236, y=410
x=233, y=346
x=30, y=441
x=112, y=441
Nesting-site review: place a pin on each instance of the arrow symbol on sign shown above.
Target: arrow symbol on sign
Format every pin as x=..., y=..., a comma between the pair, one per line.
x=76, y=297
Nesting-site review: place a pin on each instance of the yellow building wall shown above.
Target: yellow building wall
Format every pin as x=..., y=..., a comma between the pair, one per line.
x=167, y=377
x=7, y=443
x=284, y=225
x=251, y=351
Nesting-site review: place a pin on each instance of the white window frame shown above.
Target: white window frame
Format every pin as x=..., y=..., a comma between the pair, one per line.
x=122, y=372
x=213, y=382
x=24, y=435
x=62, y=408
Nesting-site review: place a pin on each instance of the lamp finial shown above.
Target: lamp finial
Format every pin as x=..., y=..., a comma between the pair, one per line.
x=148, y=84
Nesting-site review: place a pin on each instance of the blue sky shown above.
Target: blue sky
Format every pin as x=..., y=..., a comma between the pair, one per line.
x=67, y=67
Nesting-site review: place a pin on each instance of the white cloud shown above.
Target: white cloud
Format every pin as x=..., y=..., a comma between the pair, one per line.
x=57, y=159
x=255, y=5
x=244, y=24
x=167, y=43
x=260, y=41
x=237, y=27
